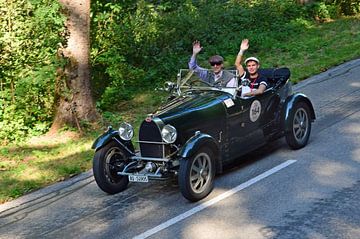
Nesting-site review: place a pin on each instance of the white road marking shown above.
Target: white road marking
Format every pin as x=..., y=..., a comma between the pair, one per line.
x=211, y=202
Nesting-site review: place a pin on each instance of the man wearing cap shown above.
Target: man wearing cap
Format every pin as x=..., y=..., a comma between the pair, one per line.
x=258, y=83
x=217, y=76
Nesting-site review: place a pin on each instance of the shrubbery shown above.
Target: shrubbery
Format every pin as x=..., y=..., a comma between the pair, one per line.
x=30, y=36
x=136, y=46
x=140, y=44
x=329, y=9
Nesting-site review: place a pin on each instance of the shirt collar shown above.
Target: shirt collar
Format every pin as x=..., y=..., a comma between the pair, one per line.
x=218, y=76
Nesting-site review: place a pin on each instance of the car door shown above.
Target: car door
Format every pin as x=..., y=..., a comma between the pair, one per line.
x=245, y=122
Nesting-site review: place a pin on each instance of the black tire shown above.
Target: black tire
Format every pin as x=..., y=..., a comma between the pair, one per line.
x=196, y=175
x=299, y=134
x=106, y=163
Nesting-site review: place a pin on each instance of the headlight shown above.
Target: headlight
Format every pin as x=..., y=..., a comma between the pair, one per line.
x=168, y=134
x=126, y=131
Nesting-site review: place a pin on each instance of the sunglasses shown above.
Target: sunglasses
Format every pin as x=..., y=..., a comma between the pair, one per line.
x=217, y=63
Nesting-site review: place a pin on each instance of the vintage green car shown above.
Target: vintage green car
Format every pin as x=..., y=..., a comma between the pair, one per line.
x=199, y=130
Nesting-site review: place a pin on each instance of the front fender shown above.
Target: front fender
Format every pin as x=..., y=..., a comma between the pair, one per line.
x=290, y=102
x=112, y=135
x=196, y=142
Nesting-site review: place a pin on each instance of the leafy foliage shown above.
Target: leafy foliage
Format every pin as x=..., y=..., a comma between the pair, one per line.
x=136, y=46
x=30, y=37
x=329, y=9
x=348, y=7
x=139, y=44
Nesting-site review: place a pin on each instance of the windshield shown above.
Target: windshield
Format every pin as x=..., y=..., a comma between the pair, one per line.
x=189, y=79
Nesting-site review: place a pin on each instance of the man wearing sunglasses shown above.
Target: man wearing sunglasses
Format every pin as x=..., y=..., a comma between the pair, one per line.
x=217, y=76
x=258, y=82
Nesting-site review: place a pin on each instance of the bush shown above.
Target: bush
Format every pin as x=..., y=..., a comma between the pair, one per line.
x=142, y=44
x=28, y=66
x=331, y=9
x=348, y=7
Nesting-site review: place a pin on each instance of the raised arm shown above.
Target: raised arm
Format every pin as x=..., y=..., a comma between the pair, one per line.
x=201, y=72
x=243, y=47
x=196, y=49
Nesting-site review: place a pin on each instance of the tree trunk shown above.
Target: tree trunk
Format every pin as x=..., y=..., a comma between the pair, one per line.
x=75, y=102
x=303, y=2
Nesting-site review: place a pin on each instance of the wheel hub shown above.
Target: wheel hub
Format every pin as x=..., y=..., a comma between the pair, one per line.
x=201, y=171
x=302, y=125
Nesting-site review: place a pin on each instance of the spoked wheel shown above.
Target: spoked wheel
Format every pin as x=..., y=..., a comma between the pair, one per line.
x=196, y=175
x=301, y=126
x=106, y=163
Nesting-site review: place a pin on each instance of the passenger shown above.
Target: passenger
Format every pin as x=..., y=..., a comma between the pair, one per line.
x=216, y=77
x=258, y=83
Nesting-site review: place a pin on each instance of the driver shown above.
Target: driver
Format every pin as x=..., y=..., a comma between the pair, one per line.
x=216, y=77
x=258, y=82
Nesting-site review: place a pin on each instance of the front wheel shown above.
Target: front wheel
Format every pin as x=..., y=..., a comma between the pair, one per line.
x=299, y=133
x=196, y=175
x=106, y=163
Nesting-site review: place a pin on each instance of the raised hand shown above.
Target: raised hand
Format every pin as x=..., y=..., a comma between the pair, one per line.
x=244, y=44
x=196, y=47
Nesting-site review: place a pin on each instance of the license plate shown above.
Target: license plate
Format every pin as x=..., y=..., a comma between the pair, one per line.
x=139, y=179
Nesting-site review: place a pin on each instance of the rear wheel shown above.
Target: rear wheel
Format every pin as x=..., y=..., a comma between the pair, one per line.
x=106, y=163
x=299, y=134
x=196, y=175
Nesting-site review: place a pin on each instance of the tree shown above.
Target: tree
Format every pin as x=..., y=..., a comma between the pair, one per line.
x=75, y=102
x=303, y=2
x=30, y=34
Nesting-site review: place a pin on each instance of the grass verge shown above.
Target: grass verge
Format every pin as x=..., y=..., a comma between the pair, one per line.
x=319, y=47
x=41, y=161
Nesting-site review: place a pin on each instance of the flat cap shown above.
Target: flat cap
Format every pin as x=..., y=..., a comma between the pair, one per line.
x=216, y=58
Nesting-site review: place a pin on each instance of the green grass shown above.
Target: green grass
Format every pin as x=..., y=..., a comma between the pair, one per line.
x=28, y=166
x=42, y=161
x=318, y=48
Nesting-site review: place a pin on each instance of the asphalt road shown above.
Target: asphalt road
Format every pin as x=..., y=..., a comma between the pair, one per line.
x=275, y=192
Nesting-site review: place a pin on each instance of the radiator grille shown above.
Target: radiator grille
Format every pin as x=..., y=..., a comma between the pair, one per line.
x=149, y=132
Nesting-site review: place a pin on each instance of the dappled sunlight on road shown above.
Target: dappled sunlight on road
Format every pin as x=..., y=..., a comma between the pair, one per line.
x=346, y=227
x=209, y=229
x=355, y=84
x=353, y=128
x=335, y=167
x=331, y=172
x=209, y=224
x=356, y=155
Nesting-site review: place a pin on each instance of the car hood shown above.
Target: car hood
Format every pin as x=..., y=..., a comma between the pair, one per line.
x=193, y=104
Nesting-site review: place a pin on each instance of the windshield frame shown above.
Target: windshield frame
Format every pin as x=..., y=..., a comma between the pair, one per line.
x=185, y=76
